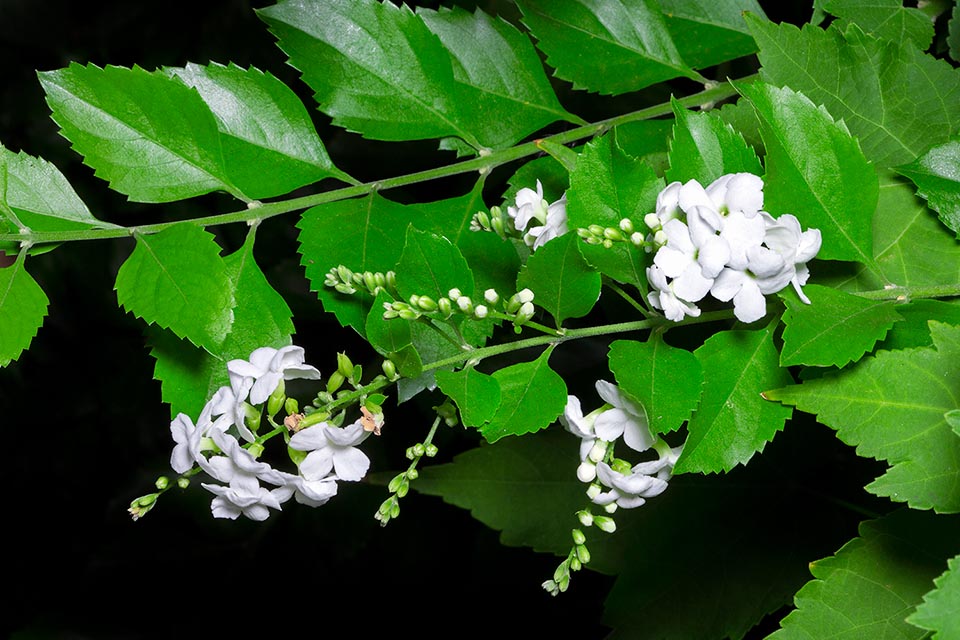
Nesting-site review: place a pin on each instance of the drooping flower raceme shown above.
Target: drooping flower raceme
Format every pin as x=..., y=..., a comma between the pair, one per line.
x=719, y=241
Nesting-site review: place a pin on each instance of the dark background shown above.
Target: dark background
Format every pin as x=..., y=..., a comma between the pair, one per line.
x=86, y=431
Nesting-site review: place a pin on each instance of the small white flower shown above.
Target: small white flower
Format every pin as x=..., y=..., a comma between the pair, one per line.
x=313, y=493
x=742, y=192
x=624, y=419
x=332, y=449
x=268, y=366
x=663, y=296
x=579, y=425
x=627, y=491
x=530, y=205
x=797, y=247
x=554, y=224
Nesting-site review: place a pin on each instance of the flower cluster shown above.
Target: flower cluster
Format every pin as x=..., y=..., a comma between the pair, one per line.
x=719, y=241
x=533, y=218
x=213, y=443
x=615, y=482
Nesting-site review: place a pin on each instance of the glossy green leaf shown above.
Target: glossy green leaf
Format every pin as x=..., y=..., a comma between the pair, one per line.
x=148, y=134
x=34, y=194
x=269, y=144
x=874, y=581
x=608, y=186
x=477, y=394
x=704, y=147
x=609, y=47
x=940, y=609
x=816, y=171
x=431, y=265
x=937, y=176
x=887, y=19
x=914, y=330
x=891, y=407
x=504, y=88
x=834, y=329
x=177, y=280
x=375, y=68
x=386, y=335
x=261, y=318
x=708, y=32
x=733, y=421
x=561, y=280
x=854, y=76
x=666, y=380
x=532, y=396
x=23, y=306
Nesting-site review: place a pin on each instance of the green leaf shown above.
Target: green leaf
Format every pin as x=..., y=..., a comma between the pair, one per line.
x=177, y=280
x=261, y=318
x=914, y=330
x=532, y=396
x=23, y=306
x=953, y=37
x=816, y=171
x=887, y=19
x=608, y=186
x=834, y=329
x=375, y=68
x=937, y=176
x=891, y=407
x=561, y=280
x=386, y=336
x=365, y=234
x=431, y=265
x=504, y=85
x=148, y=134
x=476, y=394
x=708, y=32
x=734, y=421
x=871, y=584
x=264, y=125
x=611, y=47
x=36, y=195
x=940, y=610
x=853, y=75
x=665, y=380
x=704, y=147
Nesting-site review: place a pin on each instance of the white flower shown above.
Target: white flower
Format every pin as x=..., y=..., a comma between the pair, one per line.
x=230, y=404
x=268, y=366
x=765, y=273
x=678, y=260
x=243, y=495
x=188, y=438
x=662, y=296
x=624, y=419
x=313, y=493
x=554, y=224
x=579, y=425
x=797, y=247
x=628, y=491
x=530, y=205
x=742, y=192
x=332, y=449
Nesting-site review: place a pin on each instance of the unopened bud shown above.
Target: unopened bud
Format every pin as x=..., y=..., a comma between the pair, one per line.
x=183, y=483
x=427, y=303
x=430, y=450
x=578, y=537
x=652, y=221
x=291, y=406
x=465, y=304
x=403, y=488
x=596, y=230
x=583, y=554
x=334, y=381
x=636, y=238
x=575, y=564
x=276, y=399
x=525, y=313
x=491, y=296
x=594, y=490
x=419, y=450
x=626, y=225
x=345, y=274
x=525, y=295
x=585, y=517
x=612, y=234
x=413, y=474
x=252, y=416
x=587, y=471
x=389, y=369
x=162, y=483
x=605, y=524
x=610, y=508
x=395, y=483
x=454, y=293
x=445, y=307
x=598, y=451
x=409, y=314
x=480, y=312
x=497, y=225
x=345, y=289
x=369, y=280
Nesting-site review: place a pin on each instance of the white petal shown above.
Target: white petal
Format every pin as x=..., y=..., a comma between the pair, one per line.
x=311, y=438
x=351, y=464
x=318, y=464
x=749, y=305
x=610, y=424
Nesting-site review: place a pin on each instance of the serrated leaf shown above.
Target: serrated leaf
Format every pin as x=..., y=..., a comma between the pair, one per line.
x=375, y=68
x=704, y=147
x=891, y=407
x=561, y=280
x=871, y=584
x=665, y=380
x=914, y=330
x=177, y=280
x=36, y=195
x=23, y=305
x=708, y=32
x=609, y=47
x=887, y=19
x=816, y=171
x=606, y=187
x=733, y=421
x=504, y=84
x=477, y=394
x=269, y=144
x=431, y=265
x=148, y=134
x=834, y=329
x=853, y=75
x=940, y=610
x=261, y=318
x=386, y=336
x=937, y=176
x=532, y=396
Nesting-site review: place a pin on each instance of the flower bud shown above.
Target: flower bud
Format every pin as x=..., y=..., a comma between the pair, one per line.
x=430, y=450
x=414, y=300
x=369, y=280
x=587, y=471
x=331, y=279
x=162, y=483
x=419, y=450
x=291, y=406
x=605, y=524
x=427, y=303
x=345, y=289
x=596, y=230
x=525, y=295
x=610, y=508
x=550, y=587
x=334, y=382
x=409, y=314
x=389, y=369
x=413, y=474
x=481, y=220
x=344, y=365
x=578, y=537
x=583, y=554
x=391, y=277
x=585, y=517
x=445, y=307
x=403, y=488
x=575, y=564
x=276, y=399
x=626, y=225
x=395, y=508
x=598, y=451
x=357, y=374
x=491, y=296
x=636, y=238
x=345, y=274
x=313, y=418
x=183, y=483
x=409, y=453
x=454, y=293
x=395, y=483
x=480, y=312
x=252, y=416
x=607, y=243
x=621, y=466
x=612, y=234
x=465, y=304
x=497, y=225
x=594, y=490
x=652, y=221
x=525, y=313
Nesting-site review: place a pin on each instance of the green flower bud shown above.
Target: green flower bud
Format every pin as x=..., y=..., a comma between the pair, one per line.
x=409, y=314
x=252, y=416
x=636, y=238
x=357, y=374
x=482, y=220
x=389, y=369
x=162, y=483
x=578, y=537
x=445, y=307
x=605, y=524
x=344, y=365
x=585, y=517
x=395, y=508
x=626, y=225
x=427, y=303
x=291, y=406
x=612, y=234
x=379, y=280
x=525, y=313
x=562, y=571
x=583, y=554
x=369, y=280
x=277, y=399
x=497, y=225
x=575, y=564
x=403, y=488
x=391, y=277
x=334, y=382
x=550, y=587
x=430, y=450
x=183, y=483
x=596, y=230
x=409, y=453
x=621, y=466
x=255, y=449
x=345, y=289
x=419, y=450
x=585, y=233
x=610, y=508
x=413, y=474
x=607, y=243
x=395, y=483
x=313, y=418
x=491, y=296
x=345, y=274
